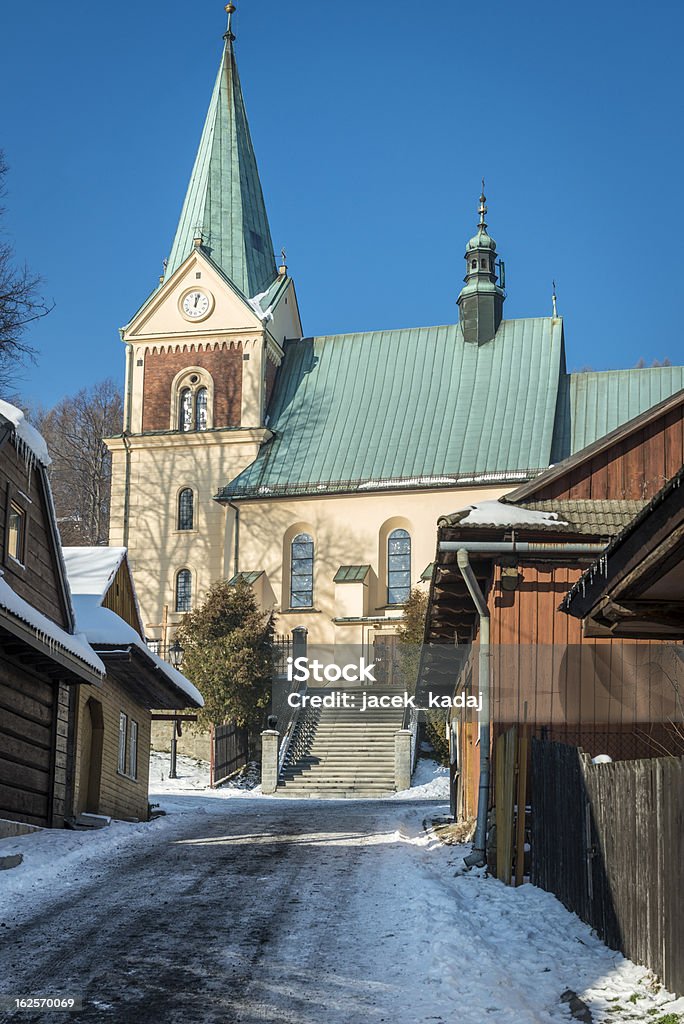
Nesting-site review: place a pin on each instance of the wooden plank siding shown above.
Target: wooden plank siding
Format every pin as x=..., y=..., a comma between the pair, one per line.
x=606, y=695
x=27, y=739
x=636, y=467
x=120, y=598
x=38, y=581
x=120, y=796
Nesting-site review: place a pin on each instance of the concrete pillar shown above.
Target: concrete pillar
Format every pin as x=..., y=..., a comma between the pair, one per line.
x=269, y=760
x=402, y=759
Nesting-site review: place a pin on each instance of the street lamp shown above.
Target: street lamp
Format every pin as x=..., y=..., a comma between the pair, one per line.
x=176, y=653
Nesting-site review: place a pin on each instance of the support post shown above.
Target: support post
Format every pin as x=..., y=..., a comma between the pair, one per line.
x=269, y=761
x=402, y=759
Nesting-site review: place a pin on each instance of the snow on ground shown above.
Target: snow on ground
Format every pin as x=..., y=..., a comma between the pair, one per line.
x=444, y=945
x=429, y=782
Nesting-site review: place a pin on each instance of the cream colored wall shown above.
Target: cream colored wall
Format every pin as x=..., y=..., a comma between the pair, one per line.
x=120, y=797
x=347, y=530
x=161, y=466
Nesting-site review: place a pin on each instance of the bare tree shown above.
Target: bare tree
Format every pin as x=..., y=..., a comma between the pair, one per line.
x=20, y=301
x=81, y=465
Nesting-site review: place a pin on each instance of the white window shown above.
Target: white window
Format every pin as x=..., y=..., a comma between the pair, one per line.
x=133, y=750
x=123, y=729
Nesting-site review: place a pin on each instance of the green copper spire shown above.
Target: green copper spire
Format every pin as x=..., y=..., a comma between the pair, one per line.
x=224, y=205
x=481, y=300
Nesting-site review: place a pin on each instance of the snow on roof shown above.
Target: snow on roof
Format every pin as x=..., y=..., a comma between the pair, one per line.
x=91, y=570
x=26, y=435
x=47, y=630
x=104, y=627
x=496, y=513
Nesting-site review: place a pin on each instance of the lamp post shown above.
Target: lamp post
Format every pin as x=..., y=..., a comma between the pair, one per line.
x=176, y=654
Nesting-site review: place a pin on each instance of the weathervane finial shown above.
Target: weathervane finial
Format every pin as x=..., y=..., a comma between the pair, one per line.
x=483, y=207
x=230, y=11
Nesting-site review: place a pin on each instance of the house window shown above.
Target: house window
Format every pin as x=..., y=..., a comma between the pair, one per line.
x=133, y=750
x=16, y=532
x=398, y=567
x=184, y=591
x=201, y=406
x=186, y=509
x=185, y=410
x=123, y=729
x=301, y=571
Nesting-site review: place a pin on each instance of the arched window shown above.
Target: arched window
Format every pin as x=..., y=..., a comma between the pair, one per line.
x=201, y=405
x=301, y=571
x=186, y=509
x=185, y=410
x=184, y=591
x=398, y=567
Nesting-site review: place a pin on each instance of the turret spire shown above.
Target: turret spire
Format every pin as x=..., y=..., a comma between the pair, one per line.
x=224, y=205
x=481, y=301
x=230, y=11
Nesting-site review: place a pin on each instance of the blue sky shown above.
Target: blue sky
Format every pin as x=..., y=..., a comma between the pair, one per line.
x=373, y=124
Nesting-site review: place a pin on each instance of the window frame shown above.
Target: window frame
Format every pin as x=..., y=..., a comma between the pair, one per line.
x=180, y=528
x=14, y=500
x=123, y=743
x=404, y=555
x=304, y=539
x=176, y=602
x=132, y=752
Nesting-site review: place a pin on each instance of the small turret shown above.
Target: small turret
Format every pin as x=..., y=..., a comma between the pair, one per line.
x=481, y=300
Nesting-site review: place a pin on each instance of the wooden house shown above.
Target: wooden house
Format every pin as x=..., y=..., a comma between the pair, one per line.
x=43, y=661
x=113, y=725
x=604, y=693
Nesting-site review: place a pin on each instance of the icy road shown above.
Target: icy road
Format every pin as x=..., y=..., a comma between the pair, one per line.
x=252, y=910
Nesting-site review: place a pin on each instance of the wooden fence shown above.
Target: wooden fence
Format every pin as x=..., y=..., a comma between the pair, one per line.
x=608, y=841
x=229, y=751
x=510, y=800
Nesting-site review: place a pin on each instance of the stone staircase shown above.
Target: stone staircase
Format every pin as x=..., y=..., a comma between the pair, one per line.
x=347, y=753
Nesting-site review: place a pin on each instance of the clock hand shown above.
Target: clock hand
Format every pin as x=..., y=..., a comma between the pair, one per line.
x=196, y=299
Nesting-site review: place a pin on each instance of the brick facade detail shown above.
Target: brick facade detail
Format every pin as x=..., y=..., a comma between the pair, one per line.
x=225, y=366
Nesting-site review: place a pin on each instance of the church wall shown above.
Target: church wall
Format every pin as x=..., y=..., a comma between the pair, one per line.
x=347, y=529
x=225, y=367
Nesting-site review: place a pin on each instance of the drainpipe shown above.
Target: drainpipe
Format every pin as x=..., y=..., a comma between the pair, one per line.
x=236, y=548
x=478, y=856
x=128, y=412
x=516, y=547
x=127, y=490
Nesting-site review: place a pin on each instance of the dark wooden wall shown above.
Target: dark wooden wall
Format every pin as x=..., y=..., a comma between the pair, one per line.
x=636, y=467
x=28, y=722
x=120, y=597
x=38, y=582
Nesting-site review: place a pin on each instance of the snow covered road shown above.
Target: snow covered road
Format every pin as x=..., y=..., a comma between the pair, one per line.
x=315, y=912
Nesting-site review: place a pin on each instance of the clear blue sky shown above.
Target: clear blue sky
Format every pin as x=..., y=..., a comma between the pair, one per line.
x=373, y=124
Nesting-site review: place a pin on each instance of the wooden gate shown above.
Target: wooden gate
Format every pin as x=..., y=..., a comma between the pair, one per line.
x=229, y=751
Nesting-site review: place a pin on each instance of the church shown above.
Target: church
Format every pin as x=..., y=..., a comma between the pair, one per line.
x=316, y=468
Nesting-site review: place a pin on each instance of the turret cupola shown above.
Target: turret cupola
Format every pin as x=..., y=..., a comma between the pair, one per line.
x=481, y=300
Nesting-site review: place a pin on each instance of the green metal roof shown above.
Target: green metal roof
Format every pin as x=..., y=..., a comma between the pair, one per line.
x=594, y=403
x=409, y=408
x=351, y=574
x=427, y=572
x=224, y=198
x=246, y=577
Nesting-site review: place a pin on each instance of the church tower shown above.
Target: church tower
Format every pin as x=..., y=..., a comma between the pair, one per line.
x=202, y=355
x=481, y=302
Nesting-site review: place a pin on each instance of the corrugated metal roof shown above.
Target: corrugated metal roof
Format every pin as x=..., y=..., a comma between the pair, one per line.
x=246, y=577
x=600, y=401
x=224, y=198
x=418, y=407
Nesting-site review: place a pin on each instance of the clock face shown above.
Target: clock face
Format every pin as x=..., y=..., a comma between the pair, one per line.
x=196, y=304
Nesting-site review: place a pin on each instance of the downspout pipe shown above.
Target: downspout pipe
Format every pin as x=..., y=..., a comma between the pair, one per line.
x=478, y=855
x=236, y=546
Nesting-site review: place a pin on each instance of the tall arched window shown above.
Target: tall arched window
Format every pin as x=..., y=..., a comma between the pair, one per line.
x=398, y=567
x=201, y=405
x=301, y=571
x=184, y=591
x=185, y=410
x=186, y=509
